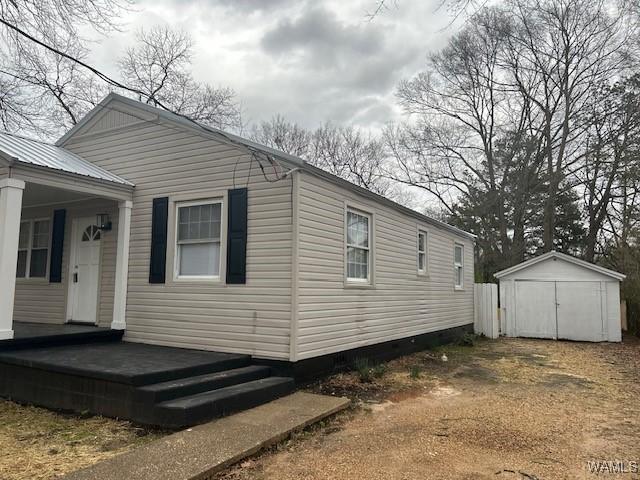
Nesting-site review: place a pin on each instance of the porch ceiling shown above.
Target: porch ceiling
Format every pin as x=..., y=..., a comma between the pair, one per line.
x=37, y=195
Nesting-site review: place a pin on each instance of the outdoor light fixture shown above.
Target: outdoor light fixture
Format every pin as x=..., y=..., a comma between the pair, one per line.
x=104, y=221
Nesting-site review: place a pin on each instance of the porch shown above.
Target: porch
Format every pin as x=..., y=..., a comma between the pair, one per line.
x=64, y=241
x=81, y=368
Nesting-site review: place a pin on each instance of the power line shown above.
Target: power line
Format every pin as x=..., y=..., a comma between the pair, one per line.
x=115, y=83
x=95, y=71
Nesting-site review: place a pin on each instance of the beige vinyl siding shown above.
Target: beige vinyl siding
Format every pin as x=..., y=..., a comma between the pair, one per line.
x=163, y=160
x=37, y=300
x=334, y=317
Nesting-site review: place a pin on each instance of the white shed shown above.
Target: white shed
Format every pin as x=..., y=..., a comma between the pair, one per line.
x=561, y=297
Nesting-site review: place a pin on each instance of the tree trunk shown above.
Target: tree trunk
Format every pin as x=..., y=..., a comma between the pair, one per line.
x=549, y=221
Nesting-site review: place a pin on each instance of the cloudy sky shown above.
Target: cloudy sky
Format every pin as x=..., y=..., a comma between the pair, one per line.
x=311, y=61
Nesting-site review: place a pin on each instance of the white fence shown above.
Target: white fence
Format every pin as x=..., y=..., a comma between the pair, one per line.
x=485, y=320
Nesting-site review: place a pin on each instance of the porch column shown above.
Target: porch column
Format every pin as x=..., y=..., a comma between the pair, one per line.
x=10, y=211
x=122, y=266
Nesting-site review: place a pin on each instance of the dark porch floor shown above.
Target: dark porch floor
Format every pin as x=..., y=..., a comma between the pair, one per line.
x=27, y=335
x=31, y=330
x=123, y=362
x=78, y=368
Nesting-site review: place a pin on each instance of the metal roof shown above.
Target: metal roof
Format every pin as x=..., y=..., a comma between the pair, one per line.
x=561, y=256
x=34, y=152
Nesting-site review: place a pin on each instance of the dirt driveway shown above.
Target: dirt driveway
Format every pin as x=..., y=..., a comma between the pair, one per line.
x=505, y=409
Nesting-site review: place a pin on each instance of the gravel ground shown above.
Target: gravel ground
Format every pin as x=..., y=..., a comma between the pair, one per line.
x=504, y=409
x=39, y=444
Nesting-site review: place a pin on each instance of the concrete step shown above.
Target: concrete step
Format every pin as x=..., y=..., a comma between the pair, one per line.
x=203, y=451
x=182, y=387
x=201, y=407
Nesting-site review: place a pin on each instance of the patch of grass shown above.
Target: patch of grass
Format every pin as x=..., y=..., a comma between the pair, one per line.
x=363, y=369
x=368, y=372
x=379, y=370
x=40, y=444
x=415, y=372
x=467, y=340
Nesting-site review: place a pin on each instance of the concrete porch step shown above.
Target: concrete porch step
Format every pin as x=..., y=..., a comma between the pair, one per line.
x=205, y=406
x=182, y=387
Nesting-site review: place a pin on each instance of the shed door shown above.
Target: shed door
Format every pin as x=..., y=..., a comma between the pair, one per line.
x=535, y=309
x=580, y=311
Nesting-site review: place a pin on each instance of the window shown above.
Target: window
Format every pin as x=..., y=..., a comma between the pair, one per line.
x=458, y=265
x=358, y=246
x=422, y=252
x=198, y=240
x=33, y=249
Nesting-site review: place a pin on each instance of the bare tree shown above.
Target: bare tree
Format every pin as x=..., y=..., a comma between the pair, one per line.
x=344, y=151
x=58, y=89
x=455, y=8
x=282, y=135
x=463, y=110
x=351, y=154
x=611, y=149
x=497, y=119
x=46, y=92
x=559, y=52
x=159, y=67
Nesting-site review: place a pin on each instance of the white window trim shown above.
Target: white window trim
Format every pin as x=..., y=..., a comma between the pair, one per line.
x=29, y=249
x=457, y=265
x=425, y=271
x=176, y=251
x=359, y=282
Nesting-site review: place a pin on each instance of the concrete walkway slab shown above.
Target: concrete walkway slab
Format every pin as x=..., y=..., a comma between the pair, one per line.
x=199, y=452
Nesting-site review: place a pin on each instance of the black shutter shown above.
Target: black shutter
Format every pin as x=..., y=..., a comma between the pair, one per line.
x=57, y=245
x=158, y=262
x=237, y=237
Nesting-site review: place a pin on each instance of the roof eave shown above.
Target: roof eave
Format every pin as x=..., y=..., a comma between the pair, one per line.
x=6, y=159
x=128, y=186
x=561, y=256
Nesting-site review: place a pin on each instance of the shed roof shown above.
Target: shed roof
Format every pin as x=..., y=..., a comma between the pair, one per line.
x=15, y=148
x=560, y=256
x=295, y=162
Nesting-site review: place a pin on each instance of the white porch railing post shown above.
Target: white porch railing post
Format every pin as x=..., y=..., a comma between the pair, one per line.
x=122, y=266
x=10, y=211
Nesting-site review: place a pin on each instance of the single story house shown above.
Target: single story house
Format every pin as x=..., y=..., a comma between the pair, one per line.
x=558, y=296
x=186, y=236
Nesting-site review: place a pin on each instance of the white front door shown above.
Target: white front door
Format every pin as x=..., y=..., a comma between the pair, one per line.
x=84, y=270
